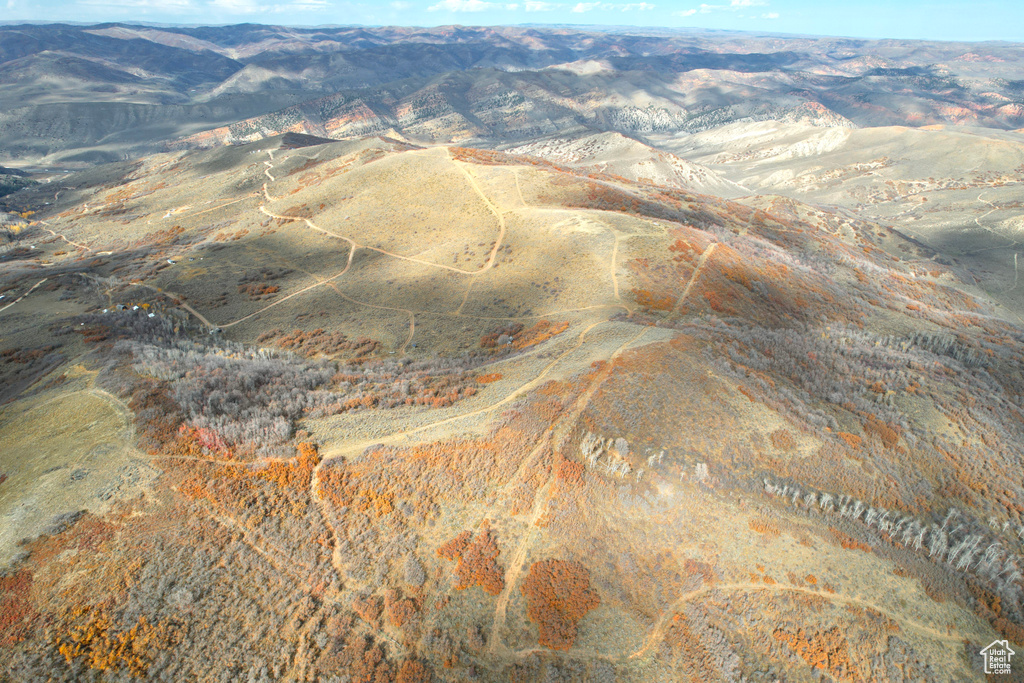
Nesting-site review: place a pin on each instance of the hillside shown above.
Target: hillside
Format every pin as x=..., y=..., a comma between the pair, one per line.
x=73, y=95
x=426, y=412
x=615, y=154
x=954, y=188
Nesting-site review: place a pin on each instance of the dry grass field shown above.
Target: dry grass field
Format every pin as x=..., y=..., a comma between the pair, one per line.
x=372, y=411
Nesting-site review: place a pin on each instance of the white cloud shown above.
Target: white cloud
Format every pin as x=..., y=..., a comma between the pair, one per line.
x=401, y=5
x=733, y=6
x=462, y=6
x=612, y=7
x=256, y=7
x=535, y=6
x=138, y=4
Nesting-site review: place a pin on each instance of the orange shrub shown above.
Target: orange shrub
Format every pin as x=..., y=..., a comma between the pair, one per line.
x=852, y=440
x=646, y=299
x=453, y=549
x=288, y=482
x=414, y=671
x=558, y=595
x=783, y=440
x=825, y=650
x=319, y=341
x=849, y=543
x=91, y=636
x=889, y=434
x=258, y=290
x=16, y=612
x=369, y=609
x=540, y=332
x=398, y=610
x=477, y=560
x=764, y=526
x=570, y=472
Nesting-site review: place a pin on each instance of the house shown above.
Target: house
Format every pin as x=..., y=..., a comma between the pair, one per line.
x=997, y=657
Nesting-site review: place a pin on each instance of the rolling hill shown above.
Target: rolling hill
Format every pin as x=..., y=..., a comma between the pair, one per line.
x=74, y=95
x=426, y=412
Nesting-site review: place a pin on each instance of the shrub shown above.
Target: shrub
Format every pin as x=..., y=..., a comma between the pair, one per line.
x=414, y=671
x=92, y=636
x=558, y=595
x=764, y=526
x=16, y=612
x=783, y=440
x=825, y=650
x=413, y=571
x=477, y=560
x=319, y=342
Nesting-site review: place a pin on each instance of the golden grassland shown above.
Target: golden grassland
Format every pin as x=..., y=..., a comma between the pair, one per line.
x=447, y=414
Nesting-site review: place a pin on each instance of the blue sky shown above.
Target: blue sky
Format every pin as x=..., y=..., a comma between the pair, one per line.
x=941, y=20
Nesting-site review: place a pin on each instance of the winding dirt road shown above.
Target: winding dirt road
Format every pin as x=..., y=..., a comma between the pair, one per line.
x=666, y=620
x=558, y=432
x=677, y=310
x=23, y=295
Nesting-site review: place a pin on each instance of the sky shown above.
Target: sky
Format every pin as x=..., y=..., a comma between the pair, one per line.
x=936, y=20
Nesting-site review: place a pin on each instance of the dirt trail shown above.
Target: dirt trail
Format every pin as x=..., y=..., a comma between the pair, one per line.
x=558, y=432
x=677, y=309
x=269, y=165
x=497, y=214
x=412, y=314
x=458, y=312
x=316, y=227
x=120, y=407
x=495, y=643
x=519, y=188
x=978, y=220
x=615, y=256
x=465, y=297
x=23, y=295
x=348, y=264
x=666, y=620
x=57, y=234
x=359, y=446
x=178, y=301
x=221, y=206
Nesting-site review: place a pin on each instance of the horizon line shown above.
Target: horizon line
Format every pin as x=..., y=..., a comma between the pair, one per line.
x=601, y=28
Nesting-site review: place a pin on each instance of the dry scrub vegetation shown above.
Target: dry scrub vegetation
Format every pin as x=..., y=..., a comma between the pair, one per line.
x=773, y=451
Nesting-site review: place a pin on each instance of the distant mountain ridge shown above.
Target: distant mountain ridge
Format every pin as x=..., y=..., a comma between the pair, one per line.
x=135, y=88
